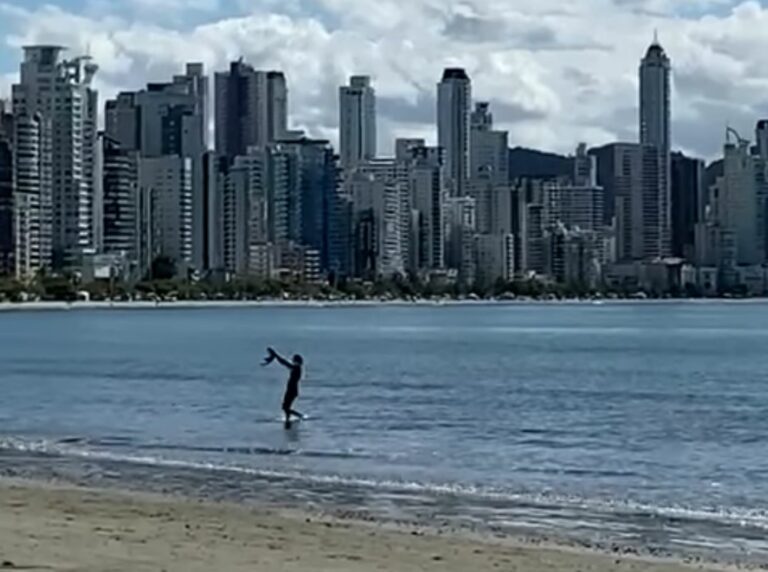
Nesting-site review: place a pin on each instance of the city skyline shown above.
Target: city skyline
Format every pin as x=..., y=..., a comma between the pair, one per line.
x=536, y=68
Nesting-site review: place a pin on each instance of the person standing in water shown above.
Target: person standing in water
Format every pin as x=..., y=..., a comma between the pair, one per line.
x=295, y=367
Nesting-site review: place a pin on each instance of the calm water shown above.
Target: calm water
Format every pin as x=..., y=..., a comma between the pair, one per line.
x=643, y=423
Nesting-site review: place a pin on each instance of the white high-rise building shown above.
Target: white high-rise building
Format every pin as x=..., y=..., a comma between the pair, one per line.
x=395, y=173
x=357, y=122
x=33, y=195
x=7, y=265
x=60, y=92
x=454, y=98
x=655, y=140
x=736, y=206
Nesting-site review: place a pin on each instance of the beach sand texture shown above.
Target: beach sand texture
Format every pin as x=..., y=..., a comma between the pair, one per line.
x=46, y=527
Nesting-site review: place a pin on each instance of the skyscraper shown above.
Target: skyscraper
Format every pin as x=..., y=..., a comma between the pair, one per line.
x=251, y=109
x=737, y=203
x=169, y=120
x=655, y=141
x=60, y=91
x=428, y=224
x=489, y=152
x=619, y=173
x=454, y=98
x=120, y=199
x=357, y=122
x=376, y=226
x=687, y=203
x=303, y=195
x=655, y=105
x=6, y=193
x=165, y=187
x=460, y=231
x=33, y=195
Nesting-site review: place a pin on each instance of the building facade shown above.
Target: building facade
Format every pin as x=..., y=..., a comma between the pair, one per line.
x=165, y=187
x=655, y=142
x=7, y=241
x=251, y=109
x=454, y=100
x=33, y=198
x=60, y=91
x=120, y=203
x=489, y=149
x=357, y=122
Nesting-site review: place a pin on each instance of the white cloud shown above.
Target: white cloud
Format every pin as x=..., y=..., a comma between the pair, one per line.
x=556, y=71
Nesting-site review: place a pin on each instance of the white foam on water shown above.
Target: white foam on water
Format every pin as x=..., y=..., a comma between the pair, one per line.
x=733, y=516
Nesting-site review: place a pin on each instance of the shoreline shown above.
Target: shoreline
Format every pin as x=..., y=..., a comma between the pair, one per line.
x=61, y=527
x=246, y=304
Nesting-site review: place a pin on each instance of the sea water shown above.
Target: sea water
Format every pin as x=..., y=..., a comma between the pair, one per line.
x=638, y=424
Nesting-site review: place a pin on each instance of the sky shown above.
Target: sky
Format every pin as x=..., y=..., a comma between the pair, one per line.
x=556, y=72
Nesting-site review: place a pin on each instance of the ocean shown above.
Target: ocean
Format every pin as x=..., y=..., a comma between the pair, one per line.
x=639, y=426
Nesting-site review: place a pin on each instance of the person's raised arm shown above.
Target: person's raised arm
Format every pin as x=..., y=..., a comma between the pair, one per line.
x=281, y=360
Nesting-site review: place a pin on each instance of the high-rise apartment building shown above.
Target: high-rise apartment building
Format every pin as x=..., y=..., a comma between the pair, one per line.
x=251, y=109
x=33, y=195
x=454, y=100
x=655, y=140
x=120, y=201
x=489, y=149
x=357, y=122
x=376, y=226
x=170, y=120
x=7, y=242
x=165, y=187
x=60, y=92
x=428, y=224
x=620, y=174
x=688, y=203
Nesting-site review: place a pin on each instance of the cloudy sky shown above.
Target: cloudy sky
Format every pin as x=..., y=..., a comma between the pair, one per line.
x=556, y=71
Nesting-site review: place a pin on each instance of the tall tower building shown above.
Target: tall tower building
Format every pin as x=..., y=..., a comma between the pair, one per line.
x=655, y=141
x=60, y=91
x=33, y=195
x=357, y=121
x=687, y=182
x=251, y=109
x=120, y=199
x=655, y=104
x=428, y=224
x=454, y=98
x=6, y=193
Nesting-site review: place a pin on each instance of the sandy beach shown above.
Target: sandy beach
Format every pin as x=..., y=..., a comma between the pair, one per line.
x=45, y=527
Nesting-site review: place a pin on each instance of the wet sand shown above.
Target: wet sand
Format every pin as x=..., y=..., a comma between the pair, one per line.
x=61, y=528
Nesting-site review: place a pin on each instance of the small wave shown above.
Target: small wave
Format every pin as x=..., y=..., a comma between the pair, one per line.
x=492, y=498
x=79, y=446
x=244, y=450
